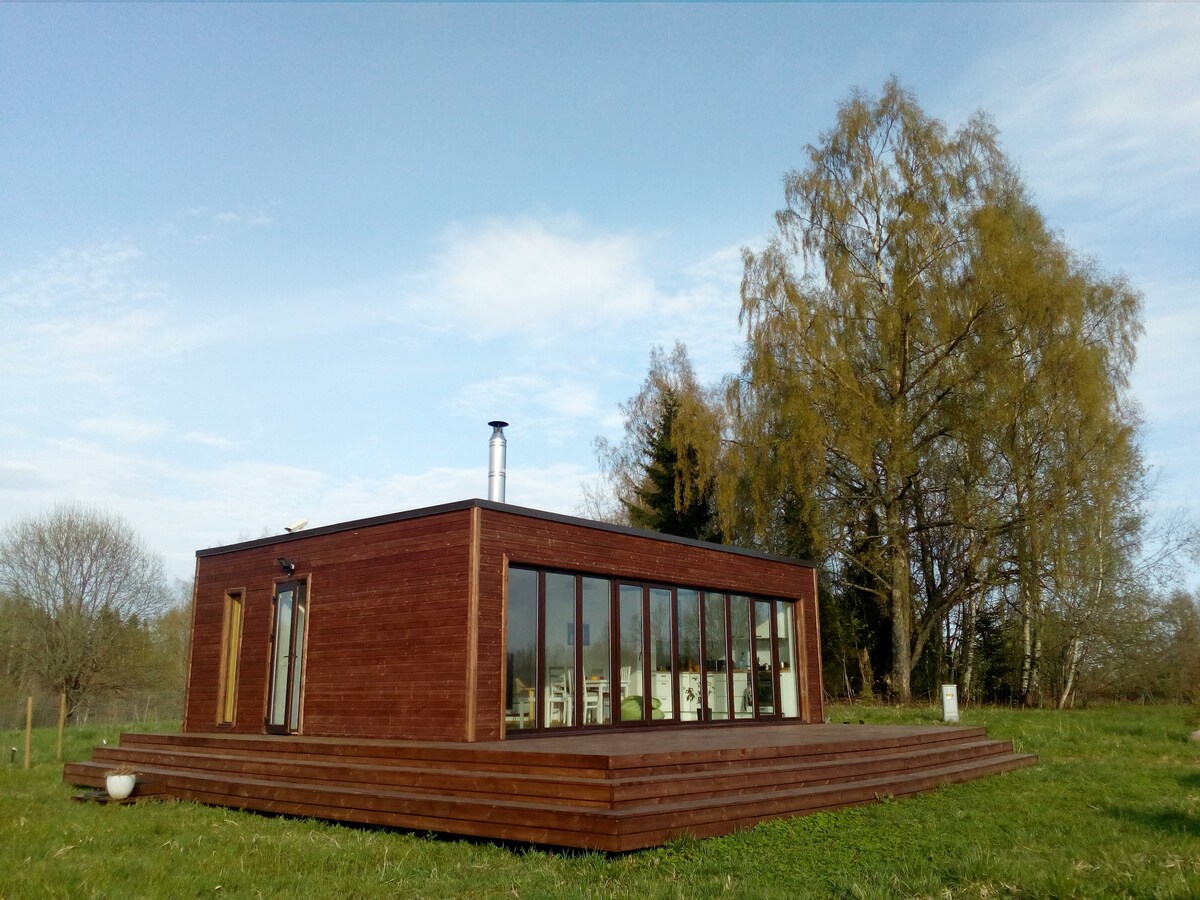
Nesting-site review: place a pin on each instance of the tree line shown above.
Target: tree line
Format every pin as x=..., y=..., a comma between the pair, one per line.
x=933, y=404
x=87, y=612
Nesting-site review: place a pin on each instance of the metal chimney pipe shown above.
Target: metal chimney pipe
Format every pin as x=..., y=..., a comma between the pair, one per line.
x=497, y=453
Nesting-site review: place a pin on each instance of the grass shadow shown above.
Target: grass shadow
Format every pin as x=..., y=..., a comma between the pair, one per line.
x=444, y=838
x=1171, y=820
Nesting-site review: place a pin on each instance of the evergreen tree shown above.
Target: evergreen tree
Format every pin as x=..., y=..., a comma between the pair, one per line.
x=655, y=473
x=661, y=502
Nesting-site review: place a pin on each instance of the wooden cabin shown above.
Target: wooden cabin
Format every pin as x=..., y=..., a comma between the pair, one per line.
x=480, y=621
x=487, y=670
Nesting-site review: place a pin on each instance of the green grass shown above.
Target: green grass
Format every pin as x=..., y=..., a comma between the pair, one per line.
x=1112, y=811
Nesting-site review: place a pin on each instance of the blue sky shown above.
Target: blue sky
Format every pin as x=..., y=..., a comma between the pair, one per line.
x=261, y=263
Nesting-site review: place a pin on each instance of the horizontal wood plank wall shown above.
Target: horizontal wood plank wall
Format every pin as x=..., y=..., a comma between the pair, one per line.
x=387, y=630
x=554, y=544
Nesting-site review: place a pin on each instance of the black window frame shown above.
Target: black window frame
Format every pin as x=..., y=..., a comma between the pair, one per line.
x=758, y=709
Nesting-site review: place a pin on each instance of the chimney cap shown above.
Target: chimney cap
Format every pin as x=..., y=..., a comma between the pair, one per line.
x=498, y=424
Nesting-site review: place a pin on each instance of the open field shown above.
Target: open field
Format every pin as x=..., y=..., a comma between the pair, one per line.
x=1113, y=810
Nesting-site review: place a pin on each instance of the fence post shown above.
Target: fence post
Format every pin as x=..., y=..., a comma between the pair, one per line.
x=28, y=728
x=62, y=722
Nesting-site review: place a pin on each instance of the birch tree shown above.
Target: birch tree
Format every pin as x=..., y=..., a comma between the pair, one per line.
x=910, y=300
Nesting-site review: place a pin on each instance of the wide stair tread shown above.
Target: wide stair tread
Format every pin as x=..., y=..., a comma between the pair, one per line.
x=890, y=784
x=374, y=773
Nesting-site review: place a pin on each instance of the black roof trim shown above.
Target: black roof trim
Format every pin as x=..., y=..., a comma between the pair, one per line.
x=496, y=507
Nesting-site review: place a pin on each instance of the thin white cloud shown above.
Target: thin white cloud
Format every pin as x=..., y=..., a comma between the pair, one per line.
x=559, y=394
x=205, y=224
x=83, y=315
x=554, y=488
x=94, y=276
x=128, y=429
x=703, y=313
x=1167, y=372
x=215, y=441
x=1106, y=110
x=242, y=218
x=22, y=478
x=123, y=428
x=531, y=278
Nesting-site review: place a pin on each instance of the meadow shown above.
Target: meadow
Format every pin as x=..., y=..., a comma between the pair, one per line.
x=1113, y=810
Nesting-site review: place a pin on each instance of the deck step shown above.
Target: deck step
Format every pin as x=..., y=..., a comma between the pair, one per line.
x=143, y=789
x=611, y=794
x=577, y=789
x=604, y=829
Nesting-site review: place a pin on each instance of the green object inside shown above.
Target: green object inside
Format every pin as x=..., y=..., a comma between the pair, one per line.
x=631, y=708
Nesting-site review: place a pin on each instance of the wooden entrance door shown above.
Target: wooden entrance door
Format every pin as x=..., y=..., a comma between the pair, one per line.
x=287, y=657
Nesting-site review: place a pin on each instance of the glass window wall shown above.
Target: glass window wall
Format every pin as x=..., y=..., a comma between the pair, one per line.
x=585, y=652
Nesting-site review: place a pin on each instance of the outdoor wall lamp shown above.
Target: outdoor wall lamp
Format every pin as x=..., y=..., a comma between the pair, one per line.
x=286, y=564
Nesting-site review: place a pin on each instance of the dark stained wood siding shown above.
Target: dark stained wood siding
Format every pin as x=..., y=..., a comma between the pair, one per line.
x=390, y=629
x=386, y=651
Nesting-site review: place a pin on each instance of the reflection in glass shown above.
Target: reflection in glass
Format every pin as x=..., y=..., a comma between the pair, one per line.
x=594, y=647
x=743, y=657
x=764, y=677
x=788, y=689
x=522, y=648
x=287, y=657
x=662, y=704
x=297, y=659
x=559, y=664
x=283, y=654
x=688, y=642
x=679, y=654
x=716, y=660
x=632, y=676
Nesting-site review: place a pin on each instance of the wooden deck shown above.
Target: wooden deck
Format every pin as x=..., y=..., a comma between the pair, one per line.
x=612, y=792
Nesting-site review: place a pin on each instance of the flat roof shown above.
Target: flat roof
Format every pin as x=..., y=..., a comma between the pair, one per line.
x=496, y=507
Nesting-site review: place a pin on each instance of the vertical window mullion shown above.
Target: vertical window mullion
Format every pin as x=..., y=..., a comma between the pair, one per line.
x=540, y=693
x=731, y=712
x=614, y=651
x=676, y=667
x=647, y=668
x=579, y=687
x=702, y=652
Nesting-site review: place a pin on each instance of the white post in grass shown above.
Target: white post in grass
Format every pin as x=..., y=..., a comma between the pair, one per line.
x=949, y=703
x=28, y=729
